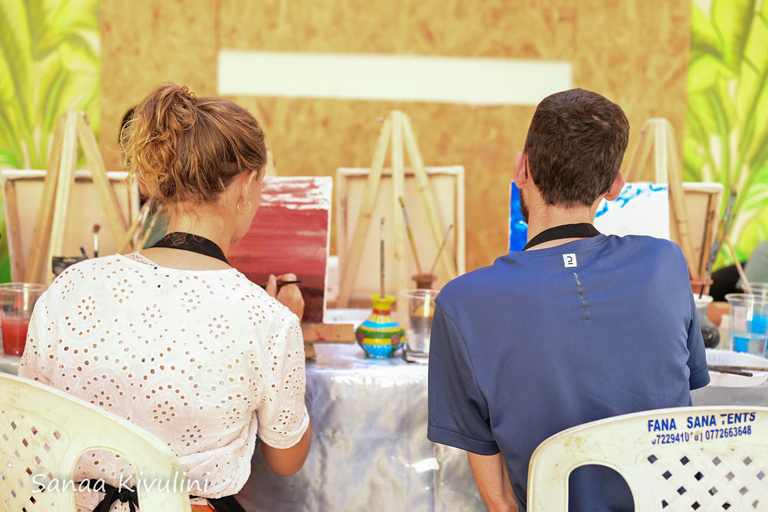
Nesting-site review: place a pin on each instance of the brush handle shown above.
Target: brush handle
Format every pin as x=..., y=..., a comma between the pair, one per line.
x=282, y=283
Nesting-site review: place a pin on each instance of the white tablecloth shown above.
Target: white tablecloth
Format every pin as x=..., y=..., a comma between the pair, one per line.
x=369, y=448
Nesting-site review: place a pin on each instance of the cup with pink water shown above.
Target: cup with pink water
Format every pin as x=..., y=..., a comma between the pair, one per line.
x=749, y=322
x=17, y=300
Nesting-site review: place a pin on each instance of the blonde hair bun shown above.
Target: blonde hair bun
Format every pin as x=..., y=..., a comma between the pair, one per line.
x=183, y=148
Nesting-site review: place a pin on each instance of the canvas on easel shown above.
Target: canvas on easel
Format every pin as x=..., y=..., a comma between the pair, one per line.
x=396, y=135
x=447, y=183
x=22, y=192
x=693, y=206
x=290, y=233
x=72, y=132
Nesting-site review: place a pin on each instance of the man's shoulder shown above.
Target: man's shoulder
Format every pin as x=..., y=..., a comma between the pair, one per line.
x=468, y=284
x=645, y=245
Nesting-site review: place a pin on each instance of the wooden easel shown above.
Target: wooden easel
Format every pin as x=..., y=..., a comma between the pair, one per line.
x=659, y=135
x=71, y=128
x=397, y=129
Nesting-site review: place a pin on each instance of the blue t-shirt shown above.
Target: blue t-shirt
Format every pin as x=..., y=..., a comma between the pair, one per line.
x=547, y=339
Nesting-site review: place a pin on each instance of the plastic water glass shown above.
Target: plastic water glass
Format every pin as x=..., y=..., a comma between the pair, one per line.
x=420, y=308
x=17, y=301
x=749, y=323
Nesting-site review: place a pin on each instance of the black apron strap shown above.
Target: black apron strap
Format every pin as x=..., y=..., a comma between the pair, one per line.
x=192, y=243
x=112, y=495
x=583, y=230
x=130, y=496
x=225, y=504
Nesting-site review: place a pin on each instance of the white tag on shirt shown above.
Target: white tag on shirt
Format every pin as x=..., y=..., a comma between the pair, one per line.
x=569, y=260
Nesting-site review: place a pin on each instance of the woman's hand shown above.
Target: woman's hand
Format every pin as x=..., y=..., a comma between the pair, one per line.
x=289, y=295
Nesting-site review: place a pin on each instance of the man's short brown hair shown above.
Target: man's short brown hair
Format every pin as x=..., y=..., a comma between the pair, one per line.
x=575, y=145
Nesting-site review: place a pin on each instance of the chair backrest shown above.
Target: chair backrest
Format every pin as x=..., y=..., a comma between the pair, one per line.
x=43, y=433
x=688, y=458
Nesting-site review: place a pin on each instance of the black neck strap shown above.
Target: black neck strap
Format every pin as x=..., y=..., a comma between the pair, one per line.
x=192, y=243
x=584, y=230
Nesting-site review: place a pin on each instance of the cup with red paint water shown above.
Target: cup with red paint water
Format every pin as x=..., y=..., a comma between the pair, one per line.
x=17, y=300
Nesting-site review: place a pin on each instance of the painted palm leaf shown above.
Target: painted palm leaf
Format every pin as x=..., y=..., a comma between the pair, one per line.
x=49, y=63
x=727, y=116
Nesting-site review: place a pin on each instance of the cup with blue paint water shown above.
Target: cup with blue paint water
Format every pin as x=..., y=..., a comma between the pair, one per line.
x=749, y=322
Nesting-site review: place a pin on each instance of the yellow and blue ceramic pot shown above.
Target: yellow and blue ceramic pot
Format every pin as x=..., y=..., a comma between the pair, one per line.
x=380, y=336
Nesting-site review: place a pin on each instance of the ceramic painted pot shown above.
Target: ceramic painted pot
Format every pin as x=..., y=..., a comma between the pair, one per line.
x=380, y=336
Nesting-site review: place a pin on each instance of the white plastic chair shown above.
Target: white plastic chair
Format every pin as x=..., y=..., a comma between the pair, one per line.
x=692, y=466
x=44, y=431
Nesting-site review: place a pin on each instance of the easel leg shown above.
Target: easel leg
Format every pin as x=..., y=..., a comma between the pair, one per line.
x=427, y=198
x=106, y=193
x=14, y=228
x=398, y=223
x=349, y=273
x=65, y=135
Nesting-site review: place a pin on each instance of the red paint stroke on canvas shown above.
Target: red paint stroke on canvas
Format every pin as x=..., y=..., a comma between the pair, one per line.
x=290, y=234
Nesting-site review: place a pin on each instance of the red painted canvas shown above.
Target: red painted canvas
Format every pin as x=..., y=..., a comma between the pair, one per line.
x=291, y=233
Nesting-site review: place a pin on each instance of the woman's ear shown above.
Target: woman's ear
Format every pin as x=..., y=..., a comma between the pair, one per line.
x=250, y=180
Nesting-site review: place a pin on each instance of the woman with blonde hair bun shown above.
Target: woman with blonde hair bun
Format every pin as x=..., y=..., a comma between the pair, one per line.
x=172, y=337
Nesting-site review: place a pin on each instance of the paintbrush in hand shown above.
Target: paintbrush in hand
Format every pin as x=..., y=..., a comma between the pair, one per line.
x=281, y=283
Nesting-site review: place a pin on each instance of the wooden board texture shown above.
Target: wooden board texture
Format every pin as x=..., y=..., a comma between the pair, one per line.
x=634, y=52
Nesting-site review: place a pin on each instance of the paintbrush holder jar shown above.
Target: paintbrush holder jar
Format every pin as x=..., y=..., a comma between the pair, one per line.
x=424, y=281
x=379, y=335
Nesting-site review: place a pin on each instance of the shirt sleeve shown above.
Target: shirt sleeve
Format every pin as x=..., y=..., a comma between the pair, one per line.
x=37, y=359
x=697, y=358
x=458, y=411
x=756, y=268
x=282, y=415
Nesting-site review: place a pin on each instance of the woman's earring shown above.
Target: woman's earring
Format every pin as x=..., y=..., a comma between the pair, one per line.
x=244, y=212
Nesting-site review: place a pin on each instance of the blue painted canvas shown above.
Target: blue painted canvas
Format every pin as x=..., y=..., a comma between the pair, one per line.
x=640, y=209
x=518, y=229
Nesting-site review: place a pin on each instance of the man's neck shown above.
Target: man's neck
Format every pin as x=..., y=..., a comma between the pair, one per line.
x=544, y=218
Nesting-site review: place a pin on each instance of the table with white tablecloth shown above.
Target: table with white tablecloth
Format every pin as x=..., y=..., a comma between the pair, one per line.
x=369, y=447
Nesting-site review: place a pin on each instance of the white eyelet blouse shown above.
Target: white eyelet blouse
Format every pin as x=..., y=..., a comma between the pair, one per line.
x=204, y=360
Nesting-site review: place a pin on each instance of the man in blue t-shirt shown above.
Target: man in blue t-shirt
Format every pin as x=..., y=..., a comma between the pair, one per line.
x=577, y=327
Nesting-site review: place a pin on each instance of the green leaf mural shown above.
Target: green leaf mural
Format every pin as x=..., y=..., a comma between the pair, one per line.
x=49, y=63
x=726, y=136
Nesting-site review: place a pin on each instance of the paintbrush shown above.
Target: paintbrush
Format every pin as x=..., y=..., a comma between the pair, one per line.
x=282, y=283
x=726, y=369
x=410, y=234
x=722, y=230
x=739, y=268
x=740, y=368
x=441, y=249
x=381, y=256
x=96, y=229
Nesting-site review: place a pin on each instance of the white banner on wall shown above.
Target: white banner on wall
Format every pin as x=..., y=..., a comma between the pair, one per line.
x=476, y=81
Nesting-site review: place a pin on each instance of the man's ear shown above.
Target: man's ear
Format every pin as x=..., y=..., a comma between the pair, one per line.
x=615, y=189
x=522, y=175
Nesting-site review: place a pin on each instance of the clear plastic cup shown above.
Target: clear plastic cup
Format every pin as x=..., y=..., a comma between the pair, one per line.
x=17, y=300
x=759, y=289
x=419, y=307
x=749, y=323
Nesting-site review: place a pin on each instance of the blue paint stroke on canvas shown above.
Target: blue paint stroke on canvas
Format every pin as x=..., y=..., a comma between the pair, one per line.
x=518, y=229
x=630, y=192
